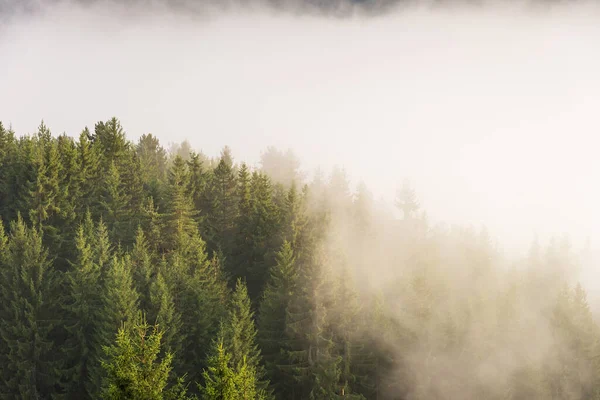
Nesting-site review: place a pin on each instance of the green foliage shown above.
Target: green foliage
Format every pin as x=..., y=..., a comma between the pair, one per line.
x=348, y=302
x=240, y=341
x=84, y=311
x=223, y=381
x=219, y=377
x=221, y=207
x=133, y=368
x=30, y=315
x=278, y=295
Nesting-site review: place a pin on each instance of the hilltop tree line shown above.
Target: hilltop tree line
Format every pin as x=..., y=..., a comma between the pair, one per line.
x=131, y=272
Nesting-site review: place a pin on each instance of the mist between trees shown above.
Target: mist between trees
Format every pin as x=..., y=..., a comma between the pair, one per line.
x=131, y=272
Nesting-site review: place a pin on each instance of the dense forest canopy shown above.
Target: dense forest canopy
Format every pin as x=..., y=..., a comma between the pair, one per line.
x=128, y=271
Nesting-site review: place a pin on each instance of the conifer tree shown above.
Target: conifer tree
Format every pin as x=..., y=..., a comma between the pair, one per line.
x=165, y=314
x=83, y=309
x=102, y=247
x=89, y=177
x=264, y=222
x=8, y=157
x=134, y=369
x=153, y=159
x=114, y=204
x=201, y=292
x=242, y=252
x=406, y=200
x=278, y=294
x=30, y=314
x=152, y=225
x=132, y=180
x=112, y=143
x=240, y=338
x=180, y=224
x=219, y=377
x=69, y=196
x=119, y=304
x=221, y=214
x=142, y=269
x=197, y=183
x=45, y=191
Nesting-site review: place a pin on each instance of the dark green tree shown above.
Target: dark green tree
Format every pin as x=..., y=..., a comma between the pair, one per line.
x=83, y=308
x=240, y=339
x=272, y=337
x=119, y=304
x=30, y=315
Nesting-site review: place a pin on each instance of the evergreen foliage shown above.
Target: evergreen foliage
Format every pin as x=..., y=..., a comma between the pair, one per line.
x=258, y=284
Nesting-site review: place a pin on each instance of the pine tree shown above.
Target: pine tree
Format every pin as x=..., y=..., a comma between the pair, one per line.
x=152, y=225
x=30, y=314
x=131, y=177
x=112, y=143
x=89, y=177
x=243, y=250
x=69, y=197
x=119, y=304
x=201, y=292
x=197, y=183
x=153, y=159
x=8, y=158
x=219, y=377
x=240, y=338
x=83, y=308
x=406, y=200
x=143, y=269
x=180, y=225
x=133, y=368
x=264, y=222
x=114, y=204
x=219, y=223
x=165, y=314
x=44, y=196
x=278, y=294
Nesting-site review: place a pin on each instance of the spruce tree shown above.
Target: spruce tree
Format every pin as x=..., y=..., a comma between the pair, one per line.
x=163, y=311
x=90, y=175
x=271, y=337
x=179, y=219
x=219, y=377
x=241, y=257
x=134, y=368
x=201, y=291
x=30, y=315
x=197, y=183
x=115, y=204
x=143, y=269
x=83, y=309
x=153, y=159
x=8, y=158
x=119, y=304
x=240, y=338
x=264, y=222
x=112, y=143
x=219, y=223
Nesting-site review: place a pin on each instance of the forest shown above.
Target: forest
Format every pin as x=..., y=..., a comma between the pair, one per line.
x=131, y=270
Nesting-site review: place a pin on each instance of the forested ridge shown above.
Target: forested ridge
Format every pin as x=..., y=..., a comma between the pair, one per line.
x=128, y=271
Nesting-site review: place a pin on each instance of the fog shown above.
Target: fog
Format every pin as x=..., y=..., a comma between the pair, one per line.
x=490, y=111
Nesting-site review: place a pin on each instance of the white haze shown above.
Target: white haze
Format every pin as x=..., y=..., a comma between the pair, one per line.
x=491, y=112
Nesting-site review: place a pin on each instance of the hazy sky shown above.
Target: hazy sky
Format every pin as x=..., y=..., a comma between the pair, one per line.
x=494, y=114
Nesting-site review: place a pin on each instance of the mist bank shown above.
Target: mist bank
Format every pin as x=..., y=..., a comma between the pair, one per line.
x=490, y=111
